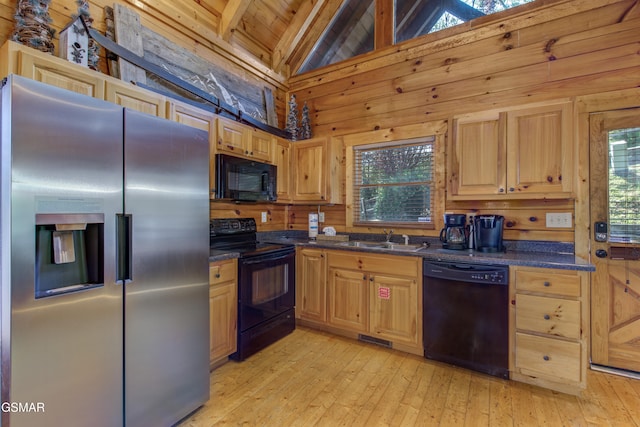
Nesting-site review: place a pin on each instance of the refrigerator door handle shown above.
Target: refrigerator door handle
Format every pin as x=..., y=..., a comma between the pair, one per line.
x=123, y=248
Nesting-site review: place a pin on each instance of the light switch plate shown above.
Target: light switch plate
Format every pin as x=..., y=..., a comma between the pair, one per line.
x=559, y=220
x=320, y=216
x=264, y=217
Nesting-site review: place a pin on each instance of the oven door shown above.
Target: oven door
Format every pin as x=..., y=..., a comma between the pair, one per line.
x=266, y=287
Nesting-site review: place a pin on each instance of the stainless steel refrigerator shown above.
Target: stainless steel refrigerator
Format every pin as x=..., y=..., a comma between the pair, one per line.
x=104, y=225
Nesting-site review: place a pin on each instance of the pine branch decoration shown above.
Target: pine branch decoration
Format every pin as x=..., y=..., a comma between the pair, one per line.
x=32, y=25
x=292, y=119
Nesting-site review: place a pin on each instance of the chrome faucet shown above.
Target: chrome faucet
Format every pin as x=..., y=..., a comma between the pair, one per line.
x=388, y=235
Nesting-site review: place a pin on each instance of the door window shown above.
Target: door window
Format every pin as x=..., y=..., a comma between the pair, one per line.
x=624, y=185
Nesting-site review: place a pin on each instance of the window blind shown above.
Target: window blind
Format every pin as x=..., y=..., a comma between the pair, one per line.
x=393, y=182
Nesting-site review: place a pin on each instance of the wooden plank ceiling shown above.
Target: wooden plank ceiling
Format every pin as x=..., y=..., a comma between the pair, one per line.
x=279, y=33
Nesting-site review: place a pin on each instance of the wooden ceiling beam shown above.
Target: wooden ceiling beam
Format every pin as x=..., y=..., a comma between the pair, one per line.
x=231, y=16
x=311, y=34
x=299, y=26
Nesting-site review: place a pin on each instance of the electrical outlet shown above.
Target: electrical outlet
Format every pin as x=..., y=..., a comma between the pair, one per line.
x=559, y=220
x=264, y=217
x=320, y=216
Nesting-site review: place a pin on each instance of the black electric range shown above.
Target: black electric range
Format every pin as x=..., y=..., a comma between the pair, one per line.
x=266, y=284
x=239, y=235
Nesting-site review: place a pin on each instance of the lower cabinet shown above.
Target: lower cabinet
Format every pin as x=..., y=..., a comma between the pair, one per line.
x=223, y=309
x=311, y=287
x=550, y=323
x=362, y=294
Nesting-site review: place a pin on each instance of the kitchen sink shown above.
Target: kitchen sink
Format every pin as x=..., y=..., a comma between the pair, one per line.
x=382, y=245
x=362, y=244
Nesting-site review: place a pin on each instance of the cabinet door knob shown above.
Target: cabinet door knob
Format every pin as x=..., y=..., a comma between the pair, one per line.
x=547, y=284
x=217, y=275
x=547, y=317
x=546, y=358
x=364, y=277
x=501, y=190
x=371, y=278
x=511, y=189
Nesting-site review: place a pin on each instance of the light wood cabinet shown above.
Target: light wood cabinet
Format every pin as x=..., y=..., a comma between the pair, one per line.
x=520, y=153
x=549, y=318
x=283, y=173
x=348, y=299
x=377, y=295
x=311, y=284
x=36, y=65
x=358, y=294
x=317, y=170
x=198, y=118
x=261, y=145
x=240, y=140
x=135, y=98
x=394, y=312
x=223, y=309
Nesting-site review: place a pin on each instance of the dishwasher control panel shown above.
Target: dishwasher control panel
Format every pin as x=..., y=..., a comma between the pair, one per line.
x=494, y=277
x=467, y=272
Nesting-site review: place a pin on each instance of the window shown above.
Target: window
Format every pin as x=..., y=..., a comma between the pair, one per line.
x=352, y=30
x=351, y=33
x=393, y=183
x=624, y=185
x=417, y=17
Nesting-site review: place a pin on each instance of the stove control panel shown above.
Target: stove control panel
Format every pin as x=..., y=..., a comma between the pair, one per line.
x=232, y=226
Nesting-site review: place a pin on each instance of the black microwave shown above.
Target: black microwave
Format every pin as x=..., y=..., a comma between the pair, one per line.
x=244, y=180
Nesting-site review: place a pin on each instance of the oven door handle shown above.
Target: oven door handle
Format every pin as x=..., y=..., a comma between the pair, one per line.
x=263, y=258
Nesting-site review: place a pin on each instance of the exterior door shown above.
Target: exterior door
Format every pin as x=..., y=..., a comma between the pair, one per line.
x=615, y=205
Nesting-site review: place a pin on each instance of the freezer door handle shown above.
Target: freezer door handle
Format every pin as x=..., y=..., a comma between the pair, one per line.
x=123, y=247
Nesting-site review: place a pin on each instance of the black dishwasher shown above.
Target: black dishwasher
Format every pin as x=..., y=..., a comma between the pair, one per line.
x=466, y=315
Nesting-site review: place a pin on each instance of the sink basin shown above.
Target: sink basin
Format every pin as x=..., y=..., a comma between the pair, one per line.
x=382, y=245
x=362, y=244
x=402, y=247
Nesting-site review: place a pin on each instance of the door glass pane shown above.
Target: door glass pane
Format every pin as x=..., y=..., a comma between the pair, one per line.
x=624, y=185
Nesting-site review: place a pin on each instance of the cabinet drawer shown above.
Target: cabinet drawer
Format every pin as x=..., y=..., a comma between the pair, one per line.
x=553, y=358
x=548, y=282
x=553, y=316
x=389, y=264
x=222, y=271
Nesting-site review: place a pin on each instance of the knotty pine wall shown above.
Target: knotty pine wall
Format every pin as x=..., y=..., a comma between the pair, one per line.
x=552, y=50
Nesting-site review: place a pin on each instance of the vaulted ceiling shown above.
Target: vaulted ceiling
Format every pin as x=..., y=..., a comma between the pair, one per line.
x=282, y=34
x=279, y=33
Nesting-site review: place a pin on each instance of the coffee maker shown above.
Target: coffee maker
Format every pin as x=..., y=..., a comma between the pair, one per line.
x=454, y=233
x=488, y=233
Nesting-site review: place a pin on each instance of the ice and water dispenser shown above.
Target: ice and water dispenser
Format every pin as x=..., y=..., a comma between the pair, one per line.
x=69, y=253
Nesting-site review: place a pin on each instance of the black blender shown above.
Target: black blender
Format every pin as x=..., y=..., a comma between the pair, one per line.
x=454, y=233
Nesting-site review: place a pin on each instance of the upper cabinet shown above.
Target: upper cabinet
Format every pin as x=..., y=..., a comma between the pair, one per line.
x=199, y=118
x=525, y=153
x=283, y=171
x=136, y=98
x=244, y=141
x=317, y=170
x=36, y=65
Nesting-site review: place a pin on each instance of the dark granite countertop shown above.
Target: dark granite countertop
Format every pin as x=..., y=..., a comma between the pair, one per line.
x=216, y=255
x=542, y=259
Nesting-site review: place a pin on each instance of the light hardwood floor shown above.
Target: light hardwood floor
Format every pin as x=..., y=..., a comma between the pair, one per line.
x=315, y=378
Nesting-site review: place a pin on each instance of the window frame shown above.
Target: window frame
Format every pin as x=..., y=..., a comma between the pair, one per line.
x=393, y=136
